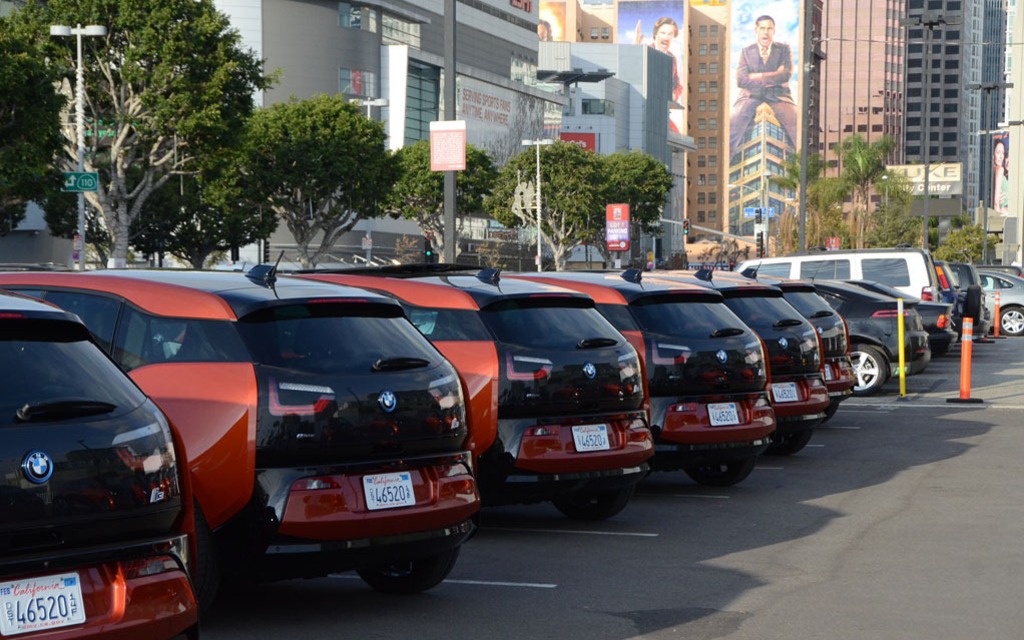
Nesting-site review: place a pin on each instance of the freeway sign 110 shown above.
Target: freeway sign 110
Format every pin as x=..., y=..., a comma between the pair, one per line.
x=77, y=181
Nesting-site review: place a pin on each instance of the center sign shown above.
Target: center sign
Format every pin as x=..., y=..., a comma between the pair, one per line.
x=617, y=227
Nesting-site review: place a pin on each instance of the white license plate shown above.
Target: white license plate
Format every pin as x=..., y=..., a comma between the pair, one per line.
x=723, y=414
x=388, y=490
x=785, y=392
x=591, y=437
x=34, y=604
x=829, y=376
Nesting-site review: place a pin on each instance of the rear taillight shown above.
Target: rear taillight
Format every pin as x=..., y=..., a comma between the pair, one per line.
x=942, y=322
x=888, y=313
x=171, y=555
x=527, y=368
x=629, y=375
x=927, y=294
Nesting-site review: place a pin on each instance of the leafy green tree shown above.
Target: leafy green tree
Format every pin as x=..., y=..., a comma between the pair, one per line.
x=789, y=233
x=825, y=198
x=419, y=193
x=197, y=216
x=862, y=164
x=321, y=166
x=891, y=222
x=571, y=190
x=30, y=139
x=169, y=81
x=639, y=180
x=962, y=245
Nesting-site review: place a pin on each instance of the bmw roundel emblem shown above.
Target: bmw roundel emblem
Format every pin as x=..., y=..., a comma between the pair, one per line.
x=783, y=343
x=590, y=370
x=722, y=356
x=821, y=330
x=387, y=401
x=37, y=466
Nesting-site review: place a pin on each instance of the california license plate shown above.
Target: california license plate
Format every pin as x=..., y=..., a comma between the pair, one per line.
x=388, y=490
x=591, y=437
x=34, y=604
x=829, y=376
x=723, y=414
x=784, y=392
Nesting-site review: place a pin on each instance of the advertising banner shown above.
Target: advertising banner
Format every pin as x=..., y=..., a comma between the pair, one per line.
x=617, y=227
x=448, y=145
x=551, y=25
x=1000, y=195
x=944, y=178
x=586, y=141
x=659, y=24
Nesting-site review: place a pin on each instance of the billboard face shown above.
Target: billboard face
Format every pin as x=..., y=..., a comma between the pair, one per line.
x=551, y=25
x=764, y=101
x=586, y=141
x=944, y=178
x=658, y=24
x=1000, y=196
x=617, y=227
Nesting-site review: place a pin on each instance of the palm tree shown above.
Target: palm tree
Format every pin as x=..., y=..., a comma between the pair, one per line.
x=863, y=164
x=790, y=181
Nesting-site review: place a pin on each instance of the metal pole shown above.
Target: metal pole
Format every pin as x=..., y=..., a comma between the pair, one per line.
x=80, y=135
x=449, y=115
x=927, y=140
x=806, y=120
x=539, y=206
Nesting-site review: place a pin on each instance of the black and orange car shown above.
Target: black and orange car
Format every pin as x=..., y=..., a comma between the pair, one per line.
x=556, y=397
x=796, y=379
x=704, y=368
x=840, y=377
x=95, y=510
x=323, y=432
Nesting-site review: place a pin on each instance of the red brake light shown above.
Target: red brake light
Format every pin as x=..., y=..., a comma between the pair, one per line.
x=928, y=294
x=887, y=313
x=9, y=315
x=539, y=368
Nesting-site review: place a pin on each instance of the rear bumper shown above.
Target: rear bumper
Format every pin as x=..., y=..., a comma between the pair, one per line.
x=536, y=459
x=807, y=410
x=314, y=521
x=120, y=602
x=685, y=436
x=840, y=378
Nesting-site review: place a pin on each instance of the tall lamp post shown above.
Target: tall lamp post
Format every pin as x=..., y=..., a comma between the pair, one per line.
x=538, y=143
x=369, y=104
x=79, y=31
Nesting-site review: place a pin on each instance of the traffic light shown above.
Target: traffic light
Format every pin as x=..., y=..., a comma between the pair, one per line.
x=760, y=244
x=428, y=251
x=686, y=226
x=757, y=215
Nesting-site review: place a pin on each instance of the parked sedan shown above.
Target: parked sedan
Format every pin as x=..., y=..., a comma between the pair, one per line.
x=1011, y=299
x=937, y=317
x=872, y=320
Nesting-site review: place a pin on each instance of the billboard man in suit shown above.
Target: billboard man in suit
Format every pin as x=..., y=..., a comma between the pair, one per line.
x=763, y=74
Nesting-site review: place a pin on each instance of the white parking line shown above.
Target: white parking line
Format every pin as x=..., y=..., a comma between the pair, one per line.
x=760, y=468
x=574, y=531
x=838, y=428
x=488, y=583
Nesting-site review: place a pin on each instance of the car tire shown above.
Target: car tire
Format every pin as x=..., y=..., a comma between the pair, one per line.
x=1011, y=321
x=871, y=369
x=412, y=576
x=790, y=443
x=206, y=577
x=594, y=506
x=830, y=410
x=721, y=474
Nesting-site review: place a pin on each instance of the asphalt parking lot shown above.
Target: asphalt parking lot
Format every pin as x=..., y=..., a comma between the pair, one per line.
x=902, y=519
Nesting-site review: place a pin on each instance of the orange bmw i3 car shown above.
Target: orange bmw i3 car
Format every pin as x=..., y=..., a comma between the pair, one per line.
x=555, y=393
x=323, y=432
x=795, y=365
x=95, y=510
x=704, y=369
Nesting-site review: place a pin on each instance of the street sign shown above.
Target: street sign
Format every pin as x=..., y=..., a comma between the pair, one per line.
x=78, y=181
x=751, y=212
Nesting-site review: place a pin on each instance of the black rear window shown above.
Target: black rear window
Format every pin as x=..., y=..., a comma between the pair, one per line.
x=809, y=304
x=619, y=316
x=684, y=319
x=547, y=322
x=333, y=338
x=757, y=310
x=45, y=362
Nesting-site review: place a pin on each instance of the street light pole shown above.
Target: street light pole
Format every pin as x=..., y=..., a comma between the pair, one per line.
x=79, y=31
x=537, y=143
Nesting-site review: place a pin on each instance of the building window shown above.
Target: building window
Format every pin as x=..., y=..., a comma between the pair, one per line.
x=700, y=216
x=359, y=18
x=713, y=142
x=712, y=217
x=701, y=197
x=713, y=124
x=423, y=102
x=701, y=180
x=356, y=82
x=702, y=50
x=713, y=68
x=398, y=31
x=713, y=87
x=702, y=69
x=714, y=33
x=701, y=161
x=594, y=31
x=712, y=198
x=703, y=31
x=714, y=49
x=713, y=179
x=713, y=105
x=712, y=161
x=702, y=87
x=702, y=124
x=606, y=33
x=702, y=142
x=702, y=105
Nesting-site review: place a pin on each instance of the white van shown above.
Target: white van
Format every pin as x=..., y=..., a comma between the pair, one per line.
x=912, y=271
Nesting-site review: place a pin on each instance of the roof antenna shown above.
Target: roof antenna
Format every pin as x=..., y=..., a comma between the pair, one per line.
x=632, y=275
x=265, y=274
x=751, y=272
x=489, y=276
x=704, y=274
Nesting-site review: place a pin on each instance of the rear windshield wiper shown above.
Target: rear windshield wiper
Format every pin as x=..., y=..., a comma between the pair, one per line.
x=398, y=364
x=726, y=332
x=787, y=322
x=596, y=343
x=61, y=409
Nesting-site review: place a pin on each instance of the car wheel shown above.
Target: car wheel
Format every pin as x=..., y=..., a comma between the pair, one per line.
x=1011, y=321
x=790, y=443
x=722, y=474
x=594, y=506
x=871, y=369
x=206, y=577
x=412, y=576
